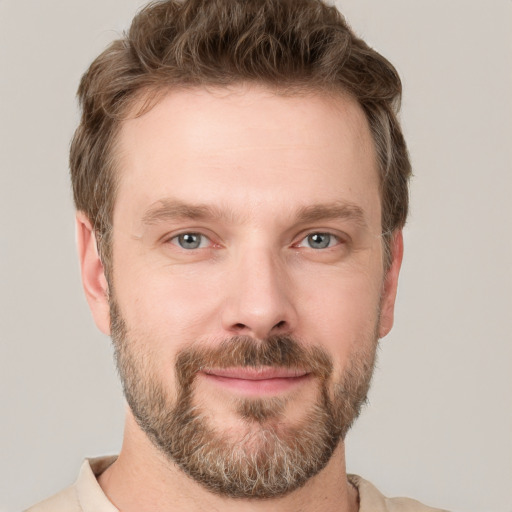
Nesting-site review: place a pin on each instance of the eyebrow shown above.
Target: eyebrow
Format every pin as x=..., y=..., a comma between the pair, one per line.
x=172, y=209
x=332, y=211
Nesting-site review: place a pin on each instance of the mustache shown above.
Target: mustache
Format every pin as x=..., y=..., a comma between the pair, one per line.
x=243, y=351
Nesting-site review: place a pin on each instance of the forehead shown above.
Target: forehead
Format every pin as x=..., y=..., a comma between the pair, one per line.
x=248, y=146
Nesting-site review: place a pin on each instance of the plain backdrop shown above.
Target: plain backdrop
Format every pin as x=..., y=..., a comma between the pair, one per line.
x=439, y=423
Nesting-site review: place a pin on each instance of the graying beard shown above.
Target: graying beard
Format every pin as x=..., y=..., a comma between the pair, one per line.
x=270, y=459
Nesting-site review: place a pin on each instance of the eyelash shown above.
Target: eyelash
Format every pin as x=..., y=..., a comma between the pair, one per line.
x=175, y=240
x=332, y=238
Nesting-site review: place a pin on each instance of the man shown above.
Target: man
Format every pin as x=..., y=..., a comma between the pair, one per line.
x=240, y=179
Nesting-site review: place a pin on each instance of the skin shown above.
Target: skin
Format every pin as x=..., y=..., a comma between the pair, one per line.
x=258, y=161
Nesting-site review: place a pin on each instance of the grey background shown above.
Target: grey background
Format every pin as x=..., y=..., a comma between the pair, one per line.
x=439, y=424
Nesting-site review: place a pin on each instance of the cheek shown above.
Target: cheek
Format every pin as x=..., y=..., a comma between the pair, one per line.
x=166, y=305
x=161, y=319
x=342, y=315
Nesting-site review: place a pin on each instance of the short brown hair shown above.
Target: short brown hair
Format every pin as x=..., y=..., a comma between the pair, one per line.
x=296, y=45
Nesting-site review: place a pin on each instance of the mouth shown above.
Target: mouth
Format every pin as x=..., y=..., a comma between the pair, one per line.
x=256, y=381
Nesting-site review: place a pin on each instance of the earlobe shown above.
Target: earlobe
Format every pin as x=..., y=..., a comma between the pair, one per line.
x=391, y=284
x=92, y=272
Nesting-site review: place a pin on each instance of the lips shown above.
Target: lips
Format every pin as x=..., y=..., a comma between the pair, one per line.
x=256, y=381
x=261, y=373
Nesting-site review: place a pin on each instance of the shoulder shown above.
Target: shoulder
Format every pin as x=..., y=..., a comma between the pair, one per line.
x=85, y=495
x=372, y=500
x=64, y=501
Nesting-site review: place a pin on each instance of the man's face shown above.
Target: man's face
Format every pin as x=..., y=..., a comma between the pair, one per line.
x=248, y=288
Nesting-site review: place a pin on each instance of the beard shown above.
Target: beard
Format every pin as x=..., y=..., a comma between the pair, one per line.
x=269, y=457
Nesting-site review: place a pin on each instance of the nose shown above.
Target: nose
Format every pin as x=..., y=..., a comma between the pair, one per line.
x=259, y=300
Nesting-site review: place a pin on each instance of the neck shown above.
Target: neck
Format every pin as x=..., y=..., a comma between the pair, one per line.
x=142, y=479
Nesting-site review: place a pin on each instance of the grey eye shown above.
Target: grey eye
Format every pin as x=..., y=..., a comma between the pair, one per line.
x=190, y=240
x=319, y=240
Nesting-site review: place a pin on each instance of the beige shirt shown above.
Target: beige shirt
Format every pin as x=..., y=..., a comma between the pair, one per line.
x=86, y=495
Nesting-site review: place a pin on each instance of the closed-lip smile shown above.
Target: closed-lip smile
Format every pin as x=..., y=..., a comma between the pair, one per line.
x=257, y=380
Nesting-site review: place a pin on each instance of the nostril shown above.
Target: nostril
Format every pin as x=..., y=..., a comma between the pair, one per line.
x=239, y=327
x=280, y=324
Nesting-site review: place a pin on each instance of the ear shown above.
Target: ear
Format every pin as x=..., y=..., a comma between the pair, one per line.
x=93, y=275
x=387, y=306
